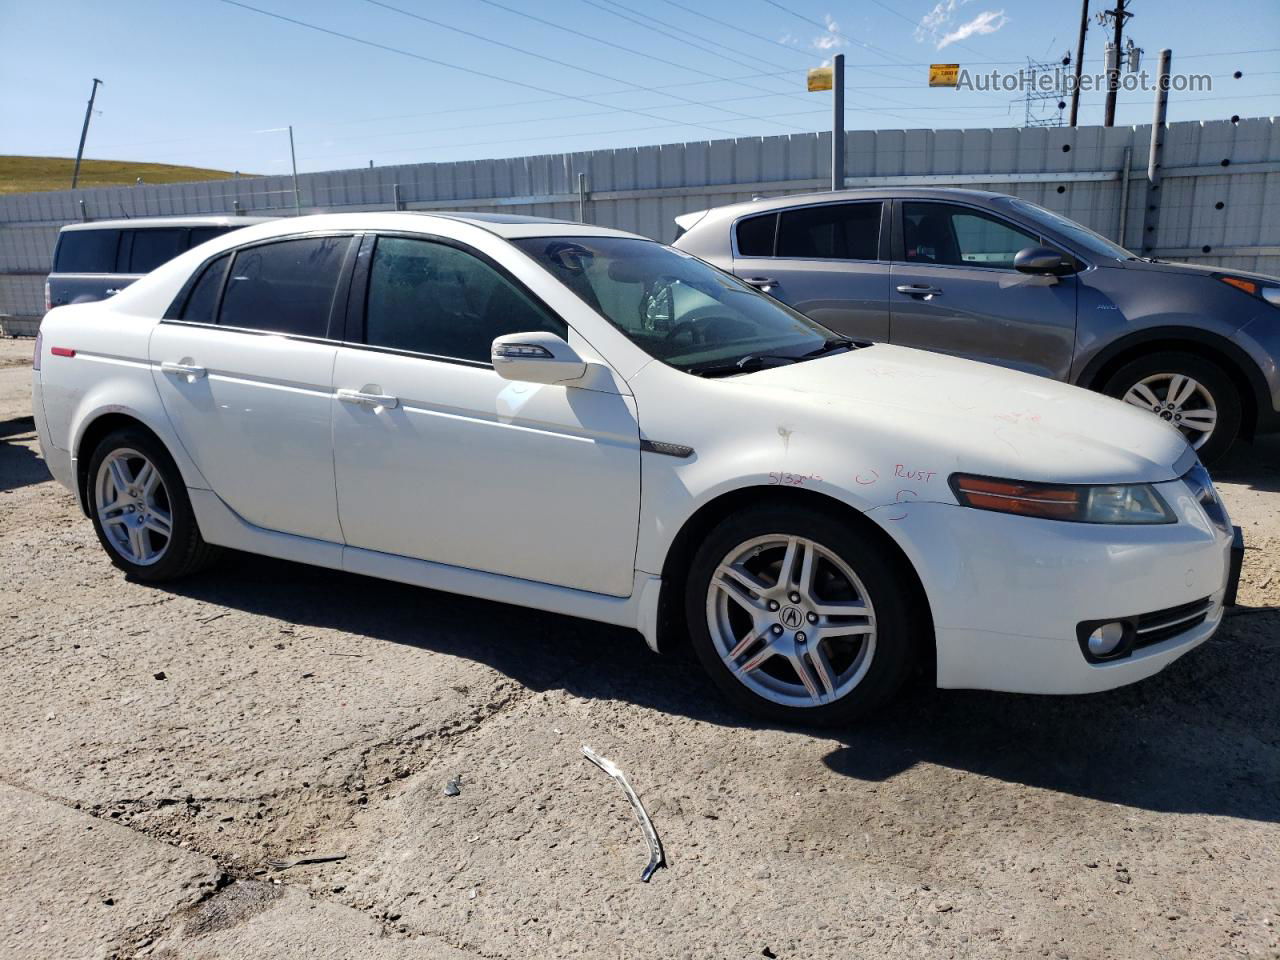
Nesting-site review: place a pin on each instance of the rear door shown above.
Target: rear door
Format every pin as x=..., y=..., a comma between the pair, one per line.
x=829, y=261
x=955, y=291
x=245, y=372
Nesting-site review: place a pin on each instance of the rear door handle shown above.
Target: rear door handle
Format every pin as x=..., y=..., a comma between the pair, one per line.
x=761, y=283
x=919, y=290
x=183, y=369
x=112, y=291
x=368, y=399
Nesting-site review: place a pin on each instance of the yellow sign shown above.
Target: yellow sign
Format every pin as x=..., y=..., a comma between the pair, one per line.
x=944, y=74
x=821, y=78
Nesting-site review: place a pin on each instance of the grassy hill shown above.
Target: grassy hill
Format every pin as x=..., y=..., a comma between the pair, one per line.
x=32, y=174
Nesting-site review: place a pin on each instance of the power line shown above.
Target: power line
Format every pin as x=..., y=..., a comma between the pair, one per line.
x=539, y=56
x=453, y=66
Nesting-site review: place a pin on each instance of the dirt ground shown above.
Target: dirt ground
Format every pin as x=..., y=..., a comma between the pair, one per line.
x=157, y=746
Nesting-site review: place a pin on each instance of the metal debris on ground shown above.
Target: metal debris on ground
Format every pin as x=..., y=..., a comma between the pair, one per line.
x=275, y=863
x=453, y=787
x=656, y=858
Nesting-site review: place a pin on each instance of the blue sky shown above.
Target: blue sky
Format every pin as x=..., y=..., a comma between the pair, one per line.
x=209, y=83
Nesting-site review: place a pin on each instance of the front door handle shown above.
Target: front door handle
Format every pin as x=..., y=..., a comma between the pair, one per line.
x=919, y=290
x=368, y=399
x=183, y=369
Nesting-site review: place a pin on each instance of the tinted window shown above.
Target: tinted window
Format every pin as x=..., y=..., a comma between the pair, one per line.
x=835, y=231
x=154, y=247
x=203, y=300
x=284, y=287
x=943, y=233
x=432, y=298
x=201, y=234
x=755, y=235
x=87, y=251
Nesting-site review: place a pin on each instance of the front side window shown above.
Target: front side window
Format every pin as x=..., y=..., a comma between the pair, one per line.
x=433, y=298
x=87, y=251
x=677, y=308
x=151, y=248
x=832, y=231
x=284, y=287
x=1077, y=233
x=959, y=236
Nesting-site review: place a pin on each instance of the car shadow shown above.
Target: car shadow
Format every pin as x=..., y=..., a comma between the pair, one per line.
x=1255, y=465
x=1199, y=738
x=20, y=465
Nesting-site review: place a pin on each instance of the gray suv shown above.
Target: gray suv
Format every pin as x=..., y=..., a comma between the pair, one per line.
x=93, y=261
x=996, y=278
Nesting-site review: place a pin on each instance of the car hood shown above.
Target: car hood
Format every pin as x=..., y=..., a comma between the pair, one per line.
x=1196, y=269
x=976, y=417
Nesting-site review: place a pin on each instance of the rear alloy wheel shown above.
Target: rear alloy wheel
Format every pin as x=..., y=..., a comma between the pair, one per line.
x=792, y=626
x=140, y=510
x=1190, y=393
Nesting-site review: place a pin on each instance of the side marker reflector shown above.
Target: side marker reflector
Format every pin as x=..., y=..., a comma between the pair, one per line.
x=62, y=352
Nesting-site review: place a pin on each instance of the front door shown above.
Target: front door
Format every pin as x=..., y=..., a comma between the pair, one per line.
x=439, y=458
x=824, y=260
x=955, y=291
x=245, y=377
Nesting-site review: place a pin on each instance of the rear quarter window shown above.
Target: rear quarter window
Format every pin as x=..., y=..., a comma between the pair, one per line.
x=86, y=251
x=755, y=235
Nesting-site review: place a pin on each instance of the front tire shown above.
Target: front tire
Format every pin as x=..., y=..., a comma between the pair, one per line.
x=140, y=509
x=1193, y=394
x=799, y=616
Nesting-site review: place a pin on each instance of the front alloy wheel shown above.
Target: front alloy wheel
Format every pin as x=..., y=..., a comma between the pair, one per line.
x=1181, y=400
x=801, y=615
x=791, y=620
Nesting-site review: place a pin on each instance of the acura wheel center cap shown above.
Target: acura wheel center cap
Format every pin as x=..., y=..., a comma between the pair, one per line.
x=791, y=618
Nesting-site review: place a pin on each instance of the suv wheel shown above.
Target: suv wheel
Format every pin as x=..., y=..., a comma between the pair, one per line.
x=1193, y=394
x=140, y=509
x=798, y=616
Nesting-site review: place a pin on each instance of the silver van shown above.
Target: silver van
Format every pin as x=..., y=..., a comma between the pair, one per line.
x=93, y=261
x=999, y=279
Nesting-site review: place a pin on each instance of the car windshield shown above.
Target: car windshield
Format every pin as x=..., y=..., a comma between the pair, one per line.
x=1079, y=234
x=679, y=309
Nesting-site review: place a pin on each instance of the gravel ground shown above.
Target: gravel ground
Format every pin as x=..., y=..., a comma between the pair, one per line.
x=158, y=745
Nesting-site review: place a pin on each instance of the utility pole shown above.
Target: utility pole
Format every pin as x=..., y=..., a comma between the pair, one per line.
x=837, y=122
x=1117, y=18
x=84, y=132
x=293, y=158
x=1075, y=90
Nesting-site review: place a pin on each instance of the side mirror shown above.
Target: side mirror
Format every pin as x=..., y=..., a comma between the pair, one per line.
x=536, y=358
x=1041, y=260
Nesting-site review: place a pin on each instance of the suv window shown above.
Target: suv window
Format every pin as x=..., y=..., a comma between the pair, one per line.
x=959, y=236
x=151, y=248
x=284, y=287
x=200, y=235
x=87, y=251
x=203, y=300
x=755, y=235
x=433, y=298
x=833, y=231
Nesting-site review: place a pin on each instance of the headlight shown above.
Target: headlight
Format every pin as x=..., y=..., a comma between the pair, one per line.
x=1267, y=293
x=1081, y=503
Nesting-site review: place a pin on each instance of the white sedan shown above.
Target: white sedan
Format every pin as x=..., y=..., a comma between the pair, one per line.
x=576, y=419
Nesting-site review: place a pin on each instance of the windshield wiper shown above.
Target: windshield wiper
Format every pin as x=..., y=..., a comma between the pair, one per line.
x=834, y=343
x=754, y=361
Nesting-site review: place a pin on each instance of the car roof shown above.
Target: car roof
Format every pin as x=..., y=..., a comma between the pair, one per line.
x=509, y=226
x=148, y=223
x=769, y=204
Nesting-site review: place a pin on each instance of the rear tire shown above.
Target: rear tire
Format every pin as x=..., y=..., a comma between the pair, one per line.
x=823, y=644
x=141, y=511
x=1183, y=385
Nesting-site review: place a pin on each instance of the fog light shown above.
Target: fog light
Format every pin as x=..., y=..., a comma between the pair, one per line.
x=1104, y=640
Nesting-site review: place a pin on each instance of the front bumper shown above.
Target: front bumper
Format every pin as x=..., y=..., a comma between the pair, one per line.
x=1009, y=593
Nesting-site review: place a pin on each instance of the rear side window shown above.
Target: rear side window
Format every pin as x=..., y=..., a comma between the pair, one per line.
x=87, y=251
x=834, y=231
x=151, y=248
x=755, y=235
x=284, y=287
x=433, y=298
x=202, y=304
x=201, y=235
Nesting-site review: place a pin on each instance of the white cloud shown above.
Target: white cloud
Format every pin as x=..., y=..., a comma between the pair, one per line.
x=831, y=40
x=989, y=21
